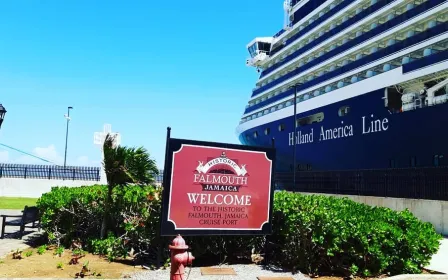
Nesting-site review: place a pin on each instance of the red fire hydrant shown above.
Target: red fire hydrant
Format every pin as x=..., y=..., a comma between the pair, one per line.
x=179, y=258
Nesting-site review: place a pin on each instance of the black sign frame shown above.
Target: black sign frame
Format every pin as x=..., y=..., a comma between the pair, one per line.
x=173, y=145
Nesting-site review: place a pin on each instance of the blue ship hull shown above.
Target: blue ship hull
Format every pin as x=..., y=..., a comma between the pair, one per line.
x=370, y=136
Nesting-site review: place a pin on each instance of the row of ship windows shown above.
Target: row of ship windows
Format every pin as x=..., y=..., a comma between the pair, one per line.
x=406, y=6
x=310, y=21
x=413, y=162
x=372, y=48
x=366, y=51
x=440, y=46
x=335, y=22
x=437, y=161
x=304, y=121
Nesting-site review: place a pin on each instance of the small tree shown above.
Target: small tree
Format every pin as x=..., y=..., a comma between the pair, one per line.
x=124, y=165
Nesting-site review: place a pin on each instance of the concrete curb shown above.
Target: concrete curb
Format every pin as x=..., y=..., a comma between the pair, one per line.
x=418, y=276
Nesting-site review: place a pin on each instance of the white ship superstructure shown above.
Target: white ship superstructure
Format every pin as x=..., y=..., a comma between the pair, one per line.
x=337, y=53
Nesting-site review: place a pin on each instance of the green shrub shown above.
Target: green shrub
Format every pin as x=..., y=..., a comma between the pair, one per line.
x=111, y=247
x=70, y=214
x=320, y=234
x=29, y=253
x=314, y=234
x=42, y=249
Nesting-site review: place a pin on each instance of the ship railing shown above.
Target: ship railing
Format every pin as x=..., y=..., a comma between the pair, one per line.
x=413, y=183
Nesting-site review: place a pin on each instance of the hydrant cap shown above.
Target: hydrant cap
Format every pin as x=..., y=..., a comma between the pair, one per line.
x=178, y=243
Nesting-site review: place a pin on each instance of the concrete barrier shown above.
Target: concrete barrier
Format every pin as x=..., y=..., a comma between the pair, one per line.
x=433, y=211
x=19, y=187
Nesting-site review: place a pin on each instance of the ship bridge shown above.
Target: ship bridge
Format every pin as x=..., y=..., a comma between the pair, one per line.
x=259, y=49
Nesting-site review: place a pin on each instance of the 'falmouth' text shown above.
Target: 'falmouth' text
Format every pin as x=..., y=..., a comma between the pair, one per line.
x=220, y=179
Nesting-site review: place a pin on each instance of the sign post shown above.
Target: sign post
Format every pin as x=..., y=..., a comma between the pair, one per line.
x=98, y=139
x=217, y=188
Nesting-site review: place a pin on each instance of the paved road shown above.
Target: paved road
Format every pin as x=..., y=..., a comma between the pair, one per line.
x=11, y=242
x=439, y=261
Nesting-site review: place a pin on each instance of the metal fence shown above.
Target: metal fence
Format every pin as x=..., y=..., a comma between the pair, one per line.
x=159, y=178
x=417, y=183
x=28, y=171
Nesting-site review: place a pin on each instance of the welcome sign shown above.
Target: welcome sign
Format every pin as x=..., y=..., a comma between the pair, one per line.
x=217, y=188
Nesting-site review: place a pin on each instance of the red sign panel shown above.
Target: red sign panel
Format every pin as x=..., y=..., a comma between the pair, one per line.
x=218, y=189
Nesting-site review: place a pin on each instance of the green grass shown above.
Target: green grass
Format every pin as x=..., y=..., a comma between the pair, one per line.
x=16, y=202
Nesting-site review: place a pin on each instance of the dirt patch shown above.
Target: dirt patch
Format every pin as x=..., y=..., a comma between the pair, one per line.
x=381, y=277
x=49, y=265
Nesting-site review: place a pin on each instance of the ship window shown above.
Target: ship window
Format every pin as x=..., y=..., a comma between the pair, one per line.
x=410, y=6
x=432, y=24
x=436, y=160
x=393, y=100
x=315, y=118
x=255, y=134
x=267, y=130
x=410, y=33
x=263, y=46
x=343, y=111
x=427, y=52
x=281, y=127
x=253, y=50
x=413, y=161
x=392, y=163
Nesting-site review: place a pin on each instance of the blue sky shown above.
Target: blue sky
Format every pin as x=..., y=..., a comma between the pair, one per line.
x=138, y=65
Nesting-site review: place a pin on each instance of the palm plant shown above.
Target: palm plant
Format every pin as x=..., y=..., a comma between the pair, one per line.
x=125, y=165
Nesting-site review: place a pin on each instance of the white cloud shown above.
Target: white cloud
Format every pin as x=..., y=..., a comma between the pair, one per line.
x=85, y=161
x=49, y=153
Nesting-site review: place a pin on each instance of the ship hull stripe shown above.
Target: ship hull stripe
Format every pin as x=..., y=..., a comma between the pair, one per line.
x=402, y=137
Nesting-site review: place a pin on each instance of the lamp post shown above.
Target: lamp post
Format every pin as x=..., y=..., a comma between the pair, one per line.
x=2, y=114
x=295, y=135
x=294, y=87
x=67, y=116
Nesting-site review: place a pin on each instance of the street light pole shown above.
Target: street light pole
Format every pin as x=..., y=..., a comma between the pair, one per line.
x=67, y=116
x=295, y=135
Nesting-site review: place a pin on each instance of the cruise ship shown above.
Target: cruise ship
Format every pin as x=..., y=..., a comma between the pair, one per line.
x=352, y=85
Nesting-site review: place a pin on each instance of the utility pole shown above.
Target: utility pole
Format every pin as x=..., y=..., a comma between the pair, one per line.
x=67, y=116
x=295, y=135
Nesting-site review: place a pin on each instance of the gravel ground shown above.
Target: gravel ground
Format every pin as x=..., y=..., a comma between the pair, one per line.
x=244, y=272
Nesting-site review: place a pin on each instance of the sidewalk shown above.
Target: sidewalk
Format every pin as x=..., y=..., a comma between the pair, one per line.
x=11, y=242
x=439, y=261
